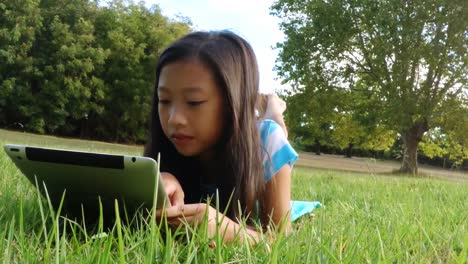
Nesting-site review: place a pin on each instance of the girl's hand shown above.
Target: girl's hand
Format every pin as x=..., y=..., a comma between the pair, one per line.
x=173, y=189
x=194, y=214
x=275, y=107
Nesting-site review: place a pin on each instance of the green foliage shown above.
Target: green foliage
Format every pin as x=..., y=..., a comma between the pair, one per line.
x=20, y=23
x=71, y=88
x=379, y=139
x=402, y=62
x=135, y=36
x=347, y=131
x=437, y=144
x=76, y=68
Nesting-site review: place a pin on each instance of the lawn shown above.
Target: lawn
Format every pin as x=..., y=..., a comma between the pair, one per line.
x=365, y=218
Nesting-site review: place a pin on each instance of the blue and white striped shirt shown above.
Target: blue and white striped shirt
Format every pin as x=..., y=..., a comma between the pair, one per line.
x=277, y=151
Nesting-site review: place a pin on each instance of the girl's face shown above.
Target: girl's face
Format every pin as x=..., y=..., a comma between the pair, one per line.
x=191, y=108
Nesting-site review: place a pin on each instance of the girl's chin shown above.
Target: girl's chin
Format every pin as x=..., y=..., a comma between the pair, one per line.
x=195, y=154
x=187, y=153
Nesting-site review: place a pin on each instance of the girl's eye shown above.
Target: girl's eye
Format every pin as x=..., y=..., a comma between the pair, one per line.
x=195, y=103
x=161, y=101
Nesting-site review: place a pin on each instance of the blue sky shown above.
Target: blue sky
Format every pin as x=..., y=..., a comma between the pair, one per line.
x=250, y=19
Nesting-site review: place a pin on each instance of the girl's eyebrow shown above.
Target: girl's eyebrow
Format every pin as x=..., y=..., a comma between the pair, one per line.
x=162, y=89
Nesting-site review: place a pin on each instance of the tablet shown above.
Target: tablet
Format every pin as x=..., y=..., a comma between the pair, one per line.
x=89, y=181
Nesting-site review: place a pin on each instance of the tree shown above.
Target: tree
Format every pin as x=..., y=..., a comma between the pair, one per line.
x=71, y=88
x=403, y=60
x=449, y=139
x=76, y=68
x=20, y=24
x=310, y=118
x=48, y=78
x=135, y=36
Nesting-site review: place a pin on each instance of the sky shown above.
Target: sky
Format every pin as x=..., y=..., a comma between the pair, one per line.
x=250, y=19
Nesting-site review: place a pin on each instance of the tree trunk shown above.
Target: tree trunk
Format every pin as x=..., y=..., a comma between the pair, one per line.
x=317, y=147
x=349, y=150
x=411, y=139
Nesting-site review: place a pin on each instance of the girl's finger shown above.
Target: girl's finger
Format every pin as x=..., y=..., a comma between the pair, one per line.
x=185, y=210
x=160, y=213
x=177, y=221
x=169, y=189
x=178, y=198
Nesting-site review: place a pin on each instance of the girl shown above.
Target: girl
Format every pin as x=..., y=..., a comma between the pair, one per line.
x=204, y=125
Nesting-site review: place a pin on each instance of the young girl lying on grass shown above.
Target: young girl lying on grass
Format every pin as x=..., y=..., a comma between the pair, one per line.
x=204, y=125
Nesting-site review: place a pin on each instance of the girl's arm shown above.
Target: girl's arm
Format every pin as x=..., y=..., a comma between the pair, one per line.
x=179, y=213
x=194, y=214
x=272, y=107
x=276, y=204
x=275, y=109
x=277, y=200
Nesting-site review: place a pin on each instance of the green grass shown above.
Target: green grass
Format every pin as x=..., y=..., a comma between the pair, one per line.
x=365, y=219
x=12, y=137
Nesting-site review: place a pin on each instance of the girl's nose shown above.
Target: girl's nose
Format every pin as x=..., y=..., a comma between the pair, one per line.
x=177, y=117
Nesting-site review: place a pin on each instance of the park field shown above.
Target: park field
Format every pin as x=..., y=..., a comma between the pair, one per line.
x=367, y=217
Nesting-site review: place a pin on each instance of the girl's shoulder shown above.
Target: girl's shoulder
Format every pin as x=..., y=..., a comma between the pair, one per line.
x=268, y=128
x=276, y=149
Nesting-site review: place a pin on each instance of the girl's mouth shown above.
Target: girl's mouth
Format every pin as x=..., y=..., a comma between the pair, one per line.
x=181, y=139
